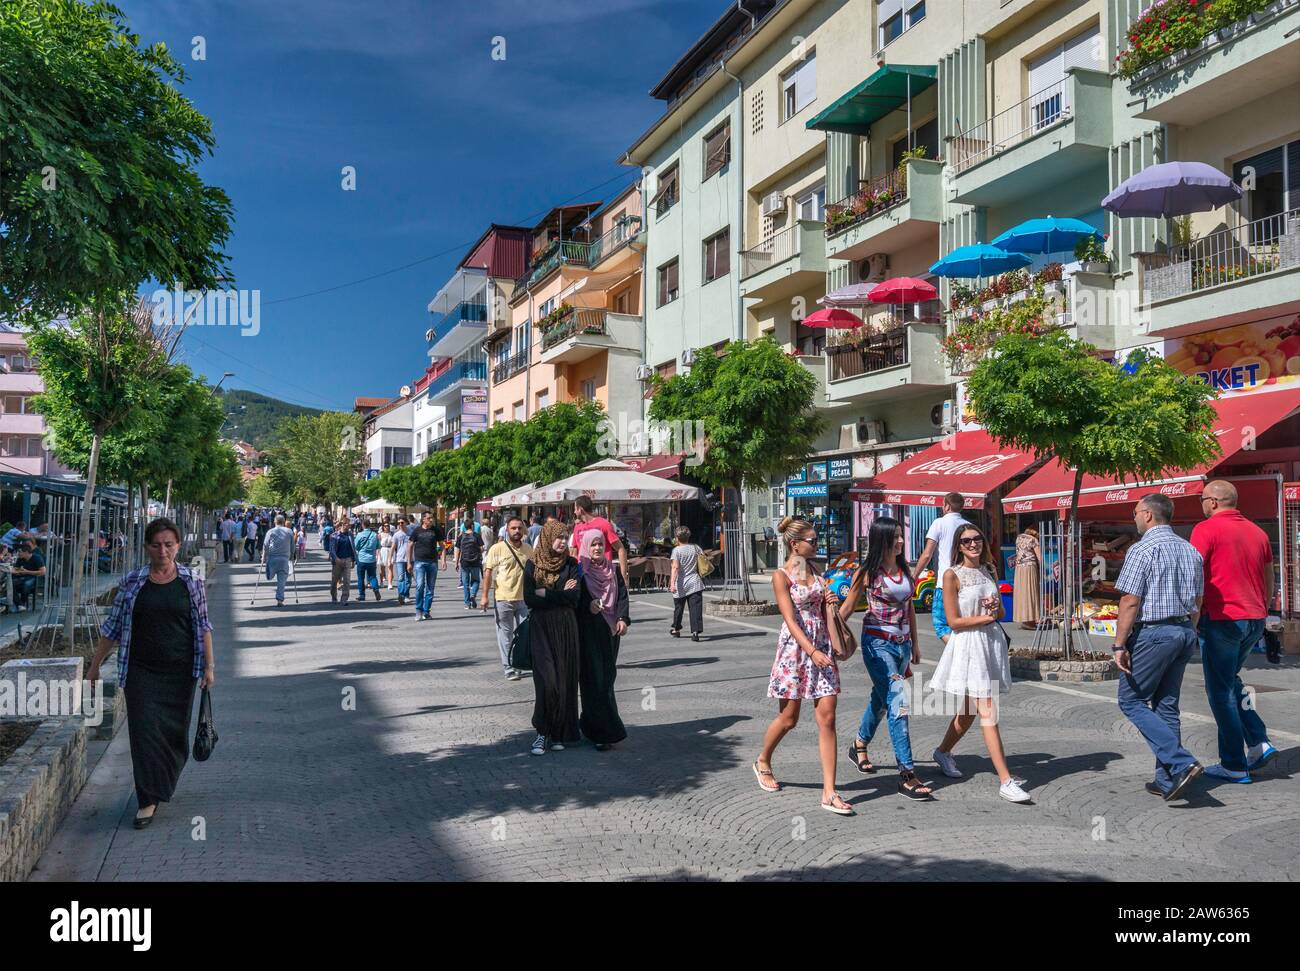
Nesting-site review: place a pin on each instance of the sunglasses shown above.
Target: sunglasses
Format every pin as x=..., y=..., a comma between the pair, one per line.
x=972, y=541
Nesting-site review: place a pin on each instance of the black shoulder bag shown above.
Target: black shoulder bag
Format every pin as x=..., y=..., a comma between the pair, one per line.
x=205, y=737
x=521, y=648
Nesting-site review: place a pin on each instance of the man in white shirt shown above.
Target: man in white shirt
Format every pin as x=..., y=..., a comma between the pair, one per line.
x=938, y=546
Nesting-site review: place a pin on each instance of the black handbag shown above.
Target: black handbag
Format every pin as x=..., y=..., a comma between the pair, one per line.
x=521, y=647
x=205, y=736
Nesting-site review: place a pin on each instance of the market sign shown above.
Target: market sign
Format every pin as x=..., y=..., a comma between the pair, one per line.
x=813, y=490
x=1247, y=357
x=841, y=469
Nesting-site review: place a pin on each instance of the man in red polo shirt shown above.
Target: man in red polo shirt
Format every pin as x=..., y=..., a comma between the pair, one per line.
x=583, y=520
x=1238, y=589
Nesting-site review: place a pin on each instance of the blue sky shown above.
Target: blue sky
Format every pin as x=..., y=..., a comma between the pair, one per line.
x=444, y=140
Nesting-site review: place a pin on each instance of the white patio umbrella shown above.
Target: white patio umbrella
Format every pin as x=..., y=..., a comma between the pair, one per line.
x=610, y=480
x=517, y=496
x=384, y=506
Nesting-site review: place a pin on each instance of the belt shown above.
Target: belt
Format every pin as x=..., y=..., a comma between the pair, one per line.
x=881, y=635
x=1179, y=621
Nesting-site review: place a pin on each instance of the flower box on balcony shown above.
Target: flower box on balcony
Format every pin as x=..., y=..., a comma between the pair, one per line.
x=1171, y=280
x=1094, y=266
x=1289, y=245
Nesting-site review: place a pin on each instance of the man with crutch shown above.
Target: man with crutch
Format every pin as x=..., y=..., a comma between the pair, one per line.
x=277, y=550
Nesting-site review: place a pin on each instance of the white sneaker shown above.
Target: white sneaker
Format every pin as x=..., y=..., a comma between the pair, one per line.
x=557, y=746
x=539, y=745
x=1019, y=781
x=1010, y=791
x=947, y=764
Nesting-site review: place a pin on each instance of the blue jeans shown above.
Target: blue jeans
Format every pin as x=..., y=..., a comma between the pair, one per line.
x=469, y=579
x=366, y=570
x=941, y=628
x=1224, y=648
x=403, y=580
x=886, y=662
x=426, y=574
x=278, y=566
x=1149, y=696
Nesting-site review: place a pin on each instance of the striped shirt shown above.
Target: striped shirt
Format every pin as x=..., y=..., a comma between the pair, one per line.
x=1165, y=571
x=118, y=625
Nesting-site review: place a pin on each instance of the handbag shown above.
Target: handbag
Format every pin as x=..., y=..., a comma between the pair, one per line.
x=521, y=647
x=205, y=736
x=703, y=565
x=843, y=644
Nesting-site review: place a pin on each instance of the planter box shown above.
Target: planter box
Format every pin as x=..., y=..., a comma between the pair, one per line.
x=38, y=785
x=1288, y=245
x=1032, y=669
x=1173, y=280
x=759, y=608
x=40, y=687
x=1094, y=266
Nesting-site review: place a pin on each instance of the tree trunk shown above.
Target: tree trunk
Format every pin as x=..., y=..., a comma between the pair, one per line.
x=130, y=528
x=746, y=593
x=167, y=502
x=1068, y=572
x=83, y=541
x=144, y=516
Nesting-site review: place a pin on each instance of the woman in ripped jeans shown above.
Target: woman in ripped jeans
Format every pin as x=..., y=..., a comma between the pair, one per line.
x=888, y=649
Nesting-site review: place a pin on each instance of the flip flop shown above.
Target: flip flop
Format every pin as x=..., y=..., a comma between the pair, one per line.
x=759, y=773
x=830, y=807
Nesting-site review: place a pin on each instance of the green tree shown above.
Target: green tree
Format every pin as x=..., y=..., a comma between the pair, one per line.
x=320, y=456
x=757, y=406
x=554, y=443
x=1053, y=396
x=100, y=369
x=99, y=189
x=263, y=493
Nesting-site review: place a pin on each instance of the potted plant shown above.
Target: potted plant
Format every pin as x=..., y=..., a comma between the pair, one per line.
x=1090, y=252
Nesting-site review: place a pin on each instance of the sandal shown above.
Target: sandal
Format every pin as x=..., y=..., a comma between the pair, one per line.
x=913, y=788
x=674, y=632
x=838, y=806
x=759, y=773
x=863, y=763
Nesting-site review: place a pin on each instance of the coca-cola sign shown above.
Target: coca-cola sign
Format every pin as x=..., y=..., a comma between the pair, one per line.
x=1291, y=491
x=1117, y=495
x=1023, y=506
x=975, y=466
x=1175, y=489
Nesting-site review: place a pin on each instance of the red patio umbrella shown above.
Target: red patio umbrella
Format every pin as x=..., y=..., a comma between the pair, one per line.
x=901, y=290
x=832, y=317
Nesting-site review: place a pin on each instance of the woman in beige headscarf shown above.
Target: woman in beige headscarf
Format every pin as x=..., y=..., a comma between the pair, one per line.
x=1029, y=567
x=552, y=589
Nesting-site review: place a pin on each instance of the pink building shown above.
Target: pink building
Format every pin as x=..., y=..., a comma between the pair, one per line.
x=22, y=431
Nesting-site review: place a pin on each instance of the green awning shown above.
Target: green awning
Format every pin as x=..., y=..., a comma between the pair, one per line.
x=875, y=97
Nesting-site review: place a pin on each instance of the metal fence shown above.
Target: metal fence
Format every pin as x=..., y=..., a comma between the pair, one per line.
x=1048, y=636
x=772, y=251
x=1250, y=249
x=1010, y=127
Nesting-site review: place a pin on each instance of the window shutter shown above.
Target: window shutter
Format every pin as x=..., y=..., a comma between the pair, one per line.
x=1083, y=51
x=722, y=254
x=717, y=150
x=1293, y=175
x=1046, y=71
x=805, y=83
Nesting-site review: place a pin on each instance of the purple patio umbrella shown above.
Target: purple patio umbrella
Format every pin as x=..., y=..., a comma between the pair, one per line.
x=854, y=295
x=1172, y=189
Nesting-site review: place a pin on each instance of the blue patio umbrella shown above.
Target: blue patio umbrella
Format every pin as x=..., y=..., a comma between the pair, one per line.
x=978, y=259
x=1050, y=235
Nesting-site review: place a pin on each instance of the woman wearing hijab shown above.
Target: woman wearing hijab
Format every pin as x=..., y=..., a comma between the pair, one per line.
x=602, y=620
x=552, y=588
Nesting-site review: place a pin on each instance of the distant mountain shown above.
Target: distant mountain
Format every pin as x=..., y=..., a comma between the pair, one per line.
x=252, y=417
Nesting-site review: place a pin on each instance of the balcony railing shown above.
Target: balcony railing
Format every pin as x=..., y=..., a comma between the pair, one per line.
x=510, y=366
x=885, y=320
x=575, y=252
x=465, y=371
x=775, y=249
x=472, y=312
x=1142, y=61
x=1008, y=128
x=875, y=353
x=875, y=196
x=1251, y=249
x=580, y=321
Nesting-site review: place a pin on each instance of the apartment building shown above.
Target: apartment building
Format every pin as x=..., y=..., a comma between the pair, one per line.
x=387, y=433
x=22, y=430
x=453, y=399
x=573, y=328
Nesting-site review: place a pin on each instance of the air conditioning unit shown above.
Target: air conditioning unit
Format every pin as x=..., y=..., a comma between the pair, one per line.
x=688, y=357
x=773, y=203
x=644, y=372
x=944, y=415
x=871, y=432
x=874, y=268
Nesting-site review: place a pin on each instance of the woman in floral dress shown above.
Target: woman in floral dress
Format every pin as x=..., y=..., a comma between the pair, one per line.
x=804, y=666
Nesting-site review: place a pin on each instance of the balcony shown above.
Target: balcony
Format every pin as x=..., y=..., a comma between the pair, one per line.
x=1233, y=66
x=582, y=253
x=1041, y=145
x=585, y=333
x=888, y=213
x=786, y=263
x=896, y=363
x=447, y=386
x=464, y=326
x=508, y=368
x=1253, y=270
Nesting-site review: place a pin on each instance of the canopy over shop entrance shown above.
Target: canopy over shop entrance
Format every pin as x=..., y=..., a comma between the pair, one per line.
x=517, y=496
x=971, y=463
x=612, y=481
x=1242, y=419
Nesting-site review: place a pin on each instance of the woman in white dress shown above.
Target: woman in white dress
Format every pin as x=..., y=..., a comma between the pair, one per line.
x=385, y=558
x=975, y=667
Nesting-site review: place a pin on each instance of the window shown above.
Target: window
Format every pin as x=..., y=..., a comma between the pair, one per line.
x=623, y=302
x=812, y=205
x=895, y=16
x=669, y=190
x=668, y=282
x=1275, y=182
x=15, y=404
x=543, y=399
x=717, y=255
x=1049, y=96
x=522, y=336
x=547, y=307
x=589, y=389
x=519, y=411
x=502, y=351
x=498, y=415
x=396, y=456
x=799, y=87
x=717, y=149
x=926, y=135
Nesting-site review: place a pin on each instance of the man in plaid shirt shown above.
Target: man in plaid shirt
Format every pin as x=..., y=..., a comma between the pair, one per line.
x=1161, y=583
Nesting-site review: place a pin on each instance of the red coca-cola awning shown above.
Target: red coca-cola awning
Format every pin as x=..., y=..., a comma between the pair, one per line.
x=1242, y=418
x=972, y=463
x=664, y=466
